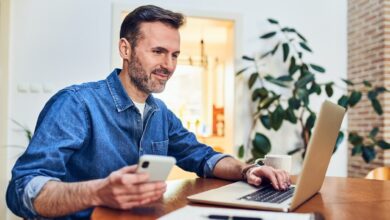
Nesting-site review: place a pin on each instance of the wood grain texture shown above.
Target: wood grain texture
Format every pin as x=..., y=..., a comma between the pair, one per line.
x=340, y=198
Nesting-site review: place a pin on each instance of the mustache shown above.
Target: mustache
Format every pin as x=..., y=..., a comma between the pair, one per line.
x=163, y=70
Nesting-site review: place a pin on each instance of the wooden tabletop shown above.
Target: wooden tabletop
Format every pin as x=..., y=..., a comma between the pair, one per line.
x=339, y=198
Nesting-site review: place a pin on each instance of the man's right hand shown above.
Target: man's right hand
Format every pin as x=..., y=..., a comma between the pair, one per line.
x=125, y=189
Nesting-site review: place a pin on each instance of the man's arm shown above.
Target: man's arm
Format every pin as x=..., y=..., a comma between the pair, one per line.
x=232, y=169
x=122, y=189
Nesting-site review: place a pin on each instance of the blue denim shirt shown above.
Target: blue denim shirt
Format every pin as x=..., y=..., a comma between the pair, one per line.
x=87, y=131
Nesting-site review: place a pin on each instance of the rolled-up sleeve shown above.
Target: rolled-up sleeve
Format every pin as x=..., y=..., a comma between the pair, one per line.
x=61, y=130
x=32, y=190
x=210, y=164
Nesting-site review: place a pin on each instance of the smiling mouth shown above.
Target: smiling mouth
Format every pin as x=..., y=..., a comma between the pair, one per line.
x=163, y=73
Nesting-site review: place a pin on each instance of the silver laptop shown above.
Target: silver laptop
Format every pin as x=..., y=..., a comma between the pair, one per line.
x=320, y=148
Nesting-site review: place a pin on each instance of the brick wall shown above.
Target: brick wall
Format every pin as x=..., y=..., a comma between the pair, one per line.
x=369, y=59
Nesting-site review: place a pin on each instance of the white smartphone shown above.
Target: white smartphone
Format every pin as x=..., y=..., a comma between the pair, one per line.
x=158, y=167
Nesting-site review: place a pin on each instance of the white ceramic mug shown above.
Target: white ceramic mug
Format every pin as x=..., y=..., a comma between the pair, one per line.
x=277, y=161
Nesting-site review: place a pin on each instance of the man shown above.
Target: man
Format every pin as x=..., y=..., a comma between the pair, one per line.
x=89, y=136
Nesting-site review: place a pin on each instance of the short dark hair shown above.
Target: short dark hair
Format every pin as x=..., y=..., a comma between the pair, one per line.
x=148, y=13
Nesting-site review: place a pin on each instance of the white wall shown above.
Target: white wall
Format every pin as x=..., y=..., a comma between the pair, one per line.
x=58, y=43
x=4, y=45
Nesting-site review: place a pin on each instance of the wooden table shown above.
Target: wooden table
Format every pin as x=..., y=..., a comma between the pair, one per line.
x=339, y=198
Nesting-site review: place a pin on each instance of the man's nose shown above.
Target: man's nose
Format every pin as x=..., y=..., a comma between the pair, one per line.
x=169, y=64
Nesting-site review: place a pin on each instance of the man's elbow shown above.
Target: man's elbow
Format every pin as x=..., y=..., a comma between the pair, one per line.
x=15, y=203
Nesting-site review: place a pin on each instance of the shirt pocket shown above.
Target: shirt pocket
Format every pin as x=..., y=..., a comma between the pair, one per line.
x=160, y=147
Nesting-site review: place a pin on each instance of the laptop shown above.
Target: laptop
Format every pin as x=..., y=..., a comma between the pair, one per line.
x=315, y=164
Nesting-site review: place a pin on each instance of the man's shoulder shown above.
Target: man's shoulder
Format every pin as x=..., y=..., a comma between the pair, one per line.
x=86, y=86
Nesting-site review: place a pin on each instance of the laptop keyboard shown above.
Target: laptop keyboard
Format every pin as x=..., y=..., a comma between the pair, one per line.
x=269, y=194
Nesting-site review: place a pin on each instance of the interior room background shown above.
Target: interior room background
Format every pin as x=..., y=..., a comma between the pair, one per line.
x=53, y=44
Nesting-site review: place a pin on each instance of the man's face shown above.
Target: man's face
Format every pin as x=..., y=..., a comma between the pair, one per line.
x=154, y=59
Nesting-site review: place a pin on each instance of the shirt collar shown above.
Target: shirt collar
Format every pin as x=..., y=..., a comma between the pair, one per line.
x=119, y=95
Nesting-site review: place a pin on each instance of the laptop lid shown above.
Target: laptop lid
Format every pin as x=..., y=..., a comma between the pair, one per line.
x=316, y=162
x=319, y=152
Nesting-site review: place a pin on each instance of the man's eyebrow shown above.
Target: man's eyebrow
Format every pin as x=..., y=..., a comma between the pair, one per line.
x=163, y=49
x=160, y=49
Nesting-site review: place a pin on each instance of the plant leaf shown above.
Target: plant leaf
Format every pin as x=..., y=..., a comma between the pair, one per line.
x=241, y=71
x=261, y=143
x=377, y=106
x=294, y=151
x=248, y=58
x=259, y=93
x=286, y=50
x=357, y=149
x=252, y=79
x=304, y=80
x=265, y=120
x=348, y=82
x=315, y=88
x=355, y=139
x=272, y=21
x=290, y=116
x=367, y=83
x=374, y=132
x=256, y=154
x=368, y=153
x=294, y=103
x=340, y=138
x=304, y=46
x=354, y=98
x=381, y=89
x=275, y=81
x=268, y=35
x=372, y=94
x=383, y=144
x=241, y=151
x=293, y=67
x=266, y=54
x=268, y=101
x=277, y=118
x=304, y=96
x=343, y=101
x=301, y=36
x=285, y=78
x=329, y=89
x=310, y=121
x=317, y=68
x=275, y=49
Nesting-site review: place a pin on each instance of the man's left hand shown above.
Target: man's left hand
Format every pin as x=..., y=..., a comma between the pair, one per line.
x=279, y=179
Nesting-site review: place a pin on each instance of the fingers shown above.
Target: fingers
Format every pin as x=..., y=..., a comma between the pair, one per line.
x=254, y=180
x=132, y=204
x=130, y=200
x=127, y=175
x=142, y=197
x=279, y=179
x=147, y=187
x=134, y=178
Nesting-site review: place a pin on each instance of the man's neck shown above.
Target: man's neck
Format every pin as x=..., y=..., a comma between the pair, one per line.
x=132, y=90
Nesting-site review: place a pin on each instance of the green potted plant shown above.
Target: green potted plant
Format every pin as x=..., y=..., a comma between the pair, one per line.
x=274, y=108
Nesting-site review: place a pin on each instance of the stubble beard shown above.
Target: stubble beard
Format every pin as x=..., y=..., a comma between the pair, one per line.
x=141, y=79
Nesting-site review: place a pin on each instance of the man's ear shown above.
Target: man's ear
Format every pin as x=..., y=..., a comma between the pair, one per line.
x=124, y=49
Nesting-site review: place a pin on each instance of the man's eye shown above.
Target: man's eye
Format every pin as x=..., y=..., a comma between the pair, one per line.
x=157, y=52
